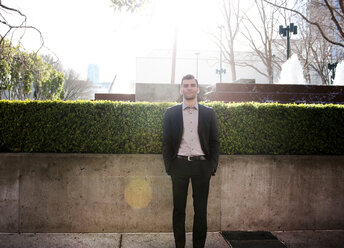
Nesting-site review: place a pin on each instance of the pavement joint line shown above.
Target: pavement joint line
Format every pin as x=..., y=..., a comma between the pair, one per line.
x=227, y=241
x=120, y=240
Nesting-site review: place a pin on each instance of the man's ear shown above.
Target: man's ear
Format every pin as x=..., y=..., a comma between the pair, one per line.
x=181, y=90
x=197, y=90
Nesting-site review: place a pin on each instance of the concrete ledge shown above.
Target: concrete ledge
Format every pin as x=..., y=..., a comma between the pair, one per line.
x=163, y=92
x=282, y=93
x=131, y=193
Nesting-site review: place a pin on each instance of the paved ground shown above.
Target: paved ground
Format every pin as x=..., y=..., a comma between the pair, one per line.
x=292, y=239
x=312, y=239
x=102, y=240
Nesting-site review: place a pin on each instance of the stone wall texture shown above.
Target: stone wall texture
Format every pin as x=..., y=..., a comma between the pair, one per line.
x=132, y=193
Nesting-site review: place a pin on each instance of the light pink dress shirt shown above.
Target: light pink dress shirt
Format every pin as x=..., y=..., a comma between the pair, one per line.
x=190, y=144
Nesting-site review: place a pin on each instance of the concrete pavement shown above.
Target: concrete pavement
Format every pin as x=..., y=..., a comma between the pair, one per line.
x=292, y=239
x=101, y=240
x=312, y=239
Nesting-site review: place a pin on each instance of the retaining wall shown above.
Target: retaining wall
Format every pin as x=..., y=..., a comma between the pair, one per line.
x=282, y=93
x=131, y=193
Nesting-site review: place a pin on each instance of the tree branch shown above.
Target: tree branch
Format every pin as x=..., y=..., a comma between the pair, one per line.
x=308, y=21
x=245, y=64
x=341, y=4
x=334, y=19
x=21, y=26
x=11, y=9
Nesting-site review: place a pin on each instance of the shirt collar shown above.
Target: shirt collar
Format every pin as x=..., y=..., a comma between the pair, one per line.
x=184, y=106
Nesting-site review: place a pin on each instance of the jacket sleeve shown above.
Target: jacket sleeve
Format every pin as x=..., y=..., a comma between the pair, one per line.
x=167, y=142
x=214, y=142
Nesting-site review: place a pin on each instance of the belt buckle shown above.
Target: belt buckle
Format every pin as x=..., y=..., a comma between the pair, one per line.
x=189, y=158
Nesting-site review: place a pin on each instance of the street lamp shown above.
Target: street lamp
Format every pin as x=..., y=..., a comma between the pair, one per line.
x=221, y=70
x=332, y=69
x=272, y=68
x=197, y=64
x=285, y=31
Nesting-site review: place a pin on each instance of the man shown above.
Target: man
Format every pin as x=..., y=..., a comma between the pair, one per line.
x=190, y=151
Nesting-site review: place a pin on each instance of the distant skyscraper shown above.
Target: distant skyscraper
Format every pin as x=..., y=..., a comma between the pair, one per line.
x=93, y=73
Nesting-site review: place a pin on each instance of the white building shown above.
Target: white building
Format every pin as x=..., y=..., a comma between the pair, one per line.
x=156, y=67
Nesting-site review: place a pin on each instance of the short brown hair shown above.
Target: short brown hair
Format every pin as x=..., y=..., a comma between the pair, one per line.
x=188, y=77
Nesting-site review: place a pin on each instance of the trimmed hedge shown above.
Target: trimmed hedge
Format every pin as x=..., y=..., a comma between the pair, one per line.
x=123, y=127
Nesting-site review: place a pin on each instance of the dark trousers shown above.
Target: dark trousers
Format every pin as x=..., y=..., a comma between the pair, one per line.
x=199, y=172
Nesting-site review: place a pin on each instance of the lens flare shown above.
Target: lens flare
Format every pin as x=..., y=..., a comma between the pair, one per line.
x=138, y=193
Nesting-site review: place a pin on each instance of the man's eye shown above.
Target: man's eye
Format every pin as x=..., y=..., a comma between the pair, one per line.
x=189, y=85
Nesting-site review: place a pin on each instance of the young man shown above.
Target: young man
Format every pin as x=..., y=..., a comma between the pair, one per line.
x=190, y=151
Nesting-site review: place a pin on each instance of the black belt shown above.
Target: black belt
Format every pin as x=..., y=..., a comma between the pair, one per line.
x=191, y=158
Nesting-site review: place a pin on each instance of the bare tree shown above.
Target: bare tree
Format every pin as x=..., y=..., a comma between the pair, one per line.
x=334, y=9
x=130, y=5
x=260, y=33
x=232, y=19
x=53, y=61
x=75, y=88
x=304, y=49
x=320, y=53
x=314, y=51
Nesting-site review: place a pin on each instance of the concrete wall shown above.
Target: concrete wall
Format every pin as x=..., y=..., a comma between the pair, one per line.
x=163, y=92
x=132, y=193
x=282, y=93
x=114, y=97
x=157, y=92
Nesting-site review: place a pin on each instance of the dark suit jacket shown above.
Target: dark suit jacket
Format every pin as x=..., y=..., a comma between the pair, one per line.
x=207, y=131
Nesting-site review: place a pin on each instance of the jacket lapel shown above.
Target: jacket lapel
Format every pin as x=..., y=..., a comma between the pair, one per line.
x=200, y=113
x=180, y=121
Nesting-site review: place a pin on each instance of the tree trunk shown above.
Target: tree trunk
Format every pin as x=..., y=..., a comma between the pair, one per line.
x=232, y=64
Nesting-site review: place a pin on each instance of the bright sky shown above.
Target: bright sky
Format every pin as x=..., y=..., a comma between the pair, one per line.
x=81, y=32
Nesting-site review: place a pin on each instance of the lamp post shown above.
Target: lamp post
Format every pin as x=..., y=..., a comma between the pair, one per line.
x=221, y=70
x=197, y=54
x=174, y=55
x=272, y=68
x=285, y=31
x=332, y=69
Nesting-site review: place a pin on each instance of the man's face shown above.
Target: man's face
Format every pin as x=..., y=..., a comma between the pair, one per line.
x=189, y=89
